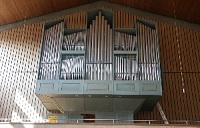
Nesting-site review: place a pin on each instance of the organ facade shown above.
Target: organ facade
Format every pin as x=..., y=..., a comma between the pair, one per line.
x=99, y=69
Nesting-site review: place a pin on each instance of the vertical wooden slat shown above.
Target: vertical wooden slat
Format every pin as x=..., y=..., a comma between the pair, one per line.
x=182, y=98
x=188, y=95
x=85, y=19
x=192, y=37
x=191, y=51
x=123, y=19
x=197, y=101
x=133, y=21
x=196, y=95
x=115, y=18
x=182, y=47
x=173, y=91
x=194, y=55
x=175, y=50
x=196, y=43
x=162, y=47
x=169, y=48
x=127, y=20
x=118, y=18
x=197, y=40
x=192, y=96
x=179, y=96
x=187, y=50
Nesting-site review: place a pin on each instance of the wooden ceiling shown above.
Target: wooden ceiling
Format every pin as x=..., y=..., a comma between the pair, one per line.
x=17, y=10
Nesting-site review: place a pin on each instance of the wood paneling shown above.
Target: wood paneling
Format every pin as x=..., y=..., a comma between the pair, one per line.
x=123, y=19
x=177, y=104
x=76, y=20
x=18, y=10
x=18, y=72
x=184, y=10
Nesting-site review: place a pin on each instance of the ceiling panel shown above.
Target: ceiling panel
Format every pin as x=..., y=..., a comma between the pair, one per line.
x=17, y=10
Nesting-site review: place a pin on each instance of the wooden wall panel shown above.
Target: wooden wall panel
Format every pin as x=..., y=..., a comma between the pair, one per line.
x=168, y=47
x=188, y=46
x=18, y=72
x=123, y=19
x=76, y=20
x=179, y=51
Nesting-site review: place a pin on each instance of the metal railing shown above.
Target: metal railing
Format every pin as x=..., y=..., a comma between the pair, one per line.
x=113, y=121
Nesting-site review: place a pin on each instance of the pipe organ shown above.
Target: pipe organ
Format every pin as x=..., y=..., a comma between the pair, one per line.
x=99, y=50
x=99, y=69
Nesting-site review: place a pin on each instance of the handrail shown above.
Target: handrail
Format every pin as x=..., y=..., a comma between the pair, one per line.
x=114, y=121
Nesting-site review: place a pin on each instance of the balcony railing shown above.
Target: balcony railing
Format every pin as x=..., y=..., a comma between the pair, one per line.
x=96, y=121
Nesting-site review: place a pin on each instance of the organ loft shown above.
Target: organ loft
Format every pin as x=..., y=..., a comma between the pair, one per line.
x=100, y=70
